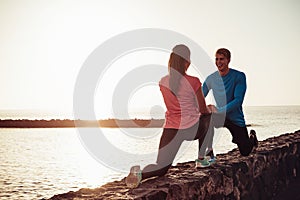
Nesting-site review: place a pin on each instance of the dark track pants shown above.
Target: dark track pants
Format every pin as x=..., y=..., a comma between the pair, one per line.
x=169, y=145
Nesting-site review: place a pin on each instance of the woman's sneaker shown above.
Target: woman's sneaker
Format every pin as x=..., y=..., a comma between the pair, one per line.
x=211, y=156
x=134, y=177
x=254, y=138
x=201, y=163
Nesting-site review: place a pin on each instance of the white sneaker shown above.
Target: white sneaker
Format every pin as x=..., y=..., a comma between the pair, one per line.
x=202, y=163
x=134, y=177
x=211, y=156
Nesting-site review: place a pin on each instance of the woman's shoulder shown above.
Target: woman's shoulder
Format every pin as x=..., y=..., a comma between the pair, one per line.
x=192, y=78
x=164, y=79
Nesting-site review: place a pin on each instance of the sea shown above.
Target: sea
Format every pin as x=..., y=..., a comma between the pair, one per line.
x=38, y=163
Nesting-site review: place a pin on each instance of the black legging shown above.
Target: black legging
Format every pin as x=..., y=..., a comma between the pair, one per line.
x=169, y=145
x=240, y=137
x=239, y=134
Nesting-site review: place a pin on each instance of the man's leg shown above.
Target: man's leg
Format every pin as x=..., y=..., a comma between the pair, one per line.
x=240, y=137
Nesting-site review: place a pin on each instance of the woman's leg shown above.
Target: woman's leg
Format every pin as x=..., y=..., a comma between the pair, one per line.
x=204, y=134
x=169, y=145
x=216, y=121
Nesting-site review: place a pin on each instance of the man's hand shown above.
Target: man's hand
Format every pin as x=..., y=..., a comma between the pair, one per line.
x=212, y=108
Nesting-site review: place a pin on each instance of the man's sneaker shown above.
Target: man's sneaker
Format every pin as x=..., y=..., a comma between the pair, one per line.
x=254, y=138
x=211, y=156
x=134, y=177
x=202, y=163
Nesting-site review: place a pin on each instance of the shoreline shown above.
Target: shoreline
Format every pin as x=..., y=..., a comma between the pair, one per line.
x=68, y=123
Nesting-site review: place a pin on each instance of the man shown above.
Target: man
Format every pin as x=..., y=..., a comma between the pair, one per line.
x=228, y=87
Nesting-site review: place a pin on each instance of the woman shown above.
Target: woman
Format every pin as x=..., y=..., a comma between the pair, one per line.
x=187, y=116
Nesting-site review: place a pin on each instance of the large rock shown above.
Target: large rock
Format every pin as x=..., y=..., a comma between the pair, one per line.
x=261, y=175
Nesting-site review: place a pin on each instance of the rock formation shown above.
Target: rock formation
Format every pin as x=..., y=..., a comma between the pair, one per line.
x=262, y=175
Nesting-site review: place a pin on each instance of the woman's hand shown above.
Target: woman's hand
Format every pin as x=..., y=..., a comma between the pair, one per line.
x=212, y=108
x=206, y=111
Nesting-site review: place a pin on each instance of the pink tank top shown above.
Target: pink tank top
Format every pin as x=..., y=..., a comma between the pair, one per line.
x=182, y=111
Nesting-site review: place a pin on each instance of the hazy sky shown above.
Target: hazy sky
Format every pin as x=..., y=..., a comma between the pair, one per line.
x=43, y=44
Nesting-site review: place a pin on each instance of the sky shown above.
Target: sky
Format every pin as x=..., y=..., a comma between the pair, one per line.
x=43, y=45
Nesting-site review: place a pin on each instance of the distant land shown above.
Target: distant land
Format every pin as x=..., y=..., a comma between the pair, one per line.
x=67, y=123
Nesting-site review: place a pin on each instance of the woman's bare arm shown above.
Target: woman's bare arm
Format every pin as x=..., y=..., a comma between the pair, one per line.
x=201, y=102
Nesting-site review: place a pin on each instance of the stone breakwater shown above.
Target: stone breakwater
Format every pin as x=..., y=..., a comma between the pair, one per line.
x=263, y=174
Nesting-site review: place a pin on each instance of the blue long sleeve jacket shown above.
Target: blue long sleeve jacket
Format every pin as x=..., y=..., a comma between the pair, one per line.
x=229, y=92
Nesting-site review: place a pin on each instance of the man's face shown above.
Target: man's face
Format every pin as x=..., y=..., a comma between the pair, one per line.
x=222, y=62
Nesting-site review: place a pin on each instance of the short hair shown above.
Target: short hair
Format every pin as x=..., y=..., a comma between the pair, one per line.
x=224, y=52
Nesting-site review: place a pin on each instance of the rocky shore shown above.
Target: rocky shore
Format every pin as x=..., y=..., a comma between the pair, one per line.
x=265, y=174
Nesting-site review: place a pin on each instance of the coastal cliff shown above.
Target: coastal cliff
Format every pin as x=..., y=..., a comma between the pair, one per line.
x=266, y=172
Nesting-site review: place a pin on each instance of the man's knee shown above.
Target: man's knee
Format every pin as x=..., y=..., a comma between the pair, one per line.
x=245, y=153
x=245, y=149
x=218, y=120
